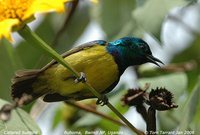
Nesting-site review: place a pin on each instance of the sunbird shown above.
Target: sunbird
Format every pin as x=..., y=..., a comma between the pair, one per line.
x=102, y=62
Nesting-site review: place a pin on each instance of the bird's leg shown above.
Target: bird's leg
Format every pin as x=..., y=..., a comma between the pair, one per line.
x=103, y=100
x=82, y=78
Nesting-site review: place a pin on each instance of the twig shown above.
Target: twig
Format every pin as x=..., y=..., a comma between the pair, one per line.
x=178, y=67
x=143, y=112
x=5, y=114
x=70, y=11
x=151, y=121
x=5, y=111
x=89, y=109
x=181, y=67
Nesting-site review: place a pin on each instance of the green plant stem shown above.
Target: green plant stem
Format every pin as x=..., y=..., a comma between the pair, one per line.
x=37, y=42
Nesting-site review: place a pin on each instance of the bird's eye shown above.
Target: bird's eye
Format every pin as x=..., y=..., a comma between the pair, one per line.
x=143, y=47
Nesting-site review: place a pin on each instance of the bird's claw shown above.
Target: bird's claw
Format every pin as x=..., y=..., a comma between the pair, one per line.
x=82, y=78
x=102, y=101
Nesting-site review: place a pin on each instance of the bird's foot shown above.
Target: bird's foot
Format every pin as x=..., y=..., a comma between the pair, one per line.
x=102, y=101
x=82, y=78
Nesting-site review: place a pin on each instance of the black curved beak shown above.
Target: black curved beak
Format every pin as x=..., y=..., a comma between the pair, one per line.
x=154, y=60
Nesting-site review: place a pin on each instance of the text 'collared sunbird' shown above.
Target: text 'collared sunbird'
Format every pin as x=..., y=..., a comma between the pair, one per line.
x=102, y=62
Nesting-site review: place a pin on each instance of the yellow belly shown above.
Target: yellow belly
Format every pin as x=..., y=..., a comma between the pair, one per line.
x=98, y=65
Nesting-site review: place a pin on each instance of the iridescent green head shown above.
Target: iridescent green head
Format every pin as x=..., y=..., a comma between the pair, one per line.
x=129, y=51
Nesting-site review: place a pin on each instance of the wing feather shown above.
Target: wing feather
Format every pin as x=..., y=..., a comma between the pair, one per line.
x=76, y=49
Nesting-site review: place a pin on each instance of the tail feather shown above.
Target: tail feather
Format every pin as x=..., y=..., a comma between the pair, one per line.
x=22, y=85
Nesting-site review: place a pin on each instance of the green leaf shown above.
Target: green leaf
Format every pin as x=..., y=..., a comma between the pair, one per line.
x=151, y=15
x=196, y=121
x=170, y=82
x=140, y=2
x=9, y=63
x=88, y=120
x=20, y=123
x=73, y=30
x=57, y=118
x=28, y=55
x=113, y=15
x=32, y=57
x=190, y=108
x=190, y=53
x=66, y=114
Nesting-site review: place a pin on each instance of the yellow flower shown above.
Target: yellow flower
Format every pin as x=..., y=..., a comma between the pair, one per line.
x=15, y=13
x=95, y=1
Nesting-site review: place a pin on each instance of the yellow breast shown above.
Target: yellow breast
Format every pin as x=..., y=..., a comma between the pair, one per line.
x=98, y=65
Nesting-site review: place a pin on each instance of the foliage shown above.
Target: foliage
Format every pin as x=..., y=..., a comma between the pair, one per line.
x=20, y=123
x=116, y=18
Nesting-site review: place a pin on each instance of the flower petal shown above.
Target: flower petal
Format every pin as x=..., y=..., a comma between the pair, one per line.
x=95, y=1
x=42, y=6
x=6, y=28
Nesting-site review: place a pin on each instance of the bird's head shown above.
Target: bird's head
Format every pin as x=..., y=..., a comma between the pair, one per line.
x=132, y=51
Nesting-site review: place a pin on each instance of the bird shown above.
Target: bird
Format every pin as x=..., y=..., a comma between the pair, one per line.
x=100, y=63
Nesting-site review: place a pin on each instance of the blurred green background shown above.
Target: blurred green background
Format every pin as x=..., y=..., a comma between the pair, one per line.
x=170, y=27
